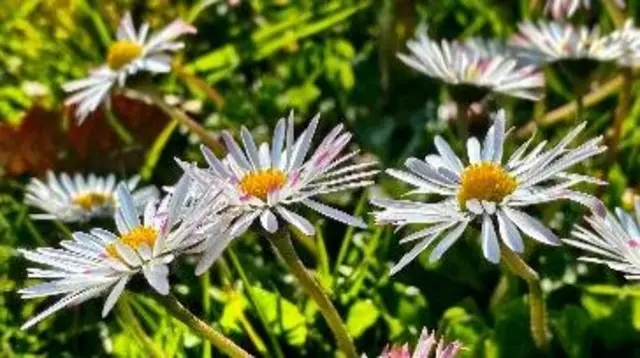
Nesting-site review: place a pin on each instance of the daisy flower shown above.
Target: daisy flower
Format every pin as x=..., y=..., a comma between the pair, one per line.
x=547, y=42
x=79, y=198
x=488, y=190
x=629, y=36
x=428, y=346
x=264, y=182
x=611, y=242
x=132, y=52
x=99, y=261
x=566, y=8
x=476, y=63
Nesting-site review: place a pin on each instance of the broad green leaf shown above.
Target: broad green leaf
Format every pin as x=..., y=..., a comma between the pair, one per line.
x=362, y=315
x=284, y=317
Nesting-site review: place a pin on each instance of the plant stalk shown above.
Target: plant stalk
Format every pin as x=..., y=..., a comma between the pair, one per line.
x=283, y=246
x=194, y=127
x=622, y=112
x=224, y=344
x=539, y=330
x=564, y=112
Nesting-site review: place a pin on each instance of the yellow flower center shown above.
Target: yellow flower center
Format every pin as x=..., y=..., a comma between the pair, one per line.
x=122, y=53
x=134, y=239
x=486, y=181
x=261, y=183
x=91, y=200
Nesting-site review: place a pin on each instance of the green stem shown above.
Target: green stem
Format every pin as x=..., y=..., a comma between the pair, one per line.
x=282, y=244
x=539, y=328
x=121, y=131
x=252, y=299
x=129, y=320
x=348, y=236
x=617, y=15
x=206, y=309
x=564, y=112
x=224, y=344
x=622, y=112
x=462, y=122
x=194, y=127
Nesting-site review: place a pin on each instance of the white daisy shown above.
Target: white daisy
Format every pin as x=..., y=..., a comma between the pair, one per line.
x=629, y=37
x=487, y=190
x=566, y=8
x=132, y=52
x=78, y=198
x=611, y=242
x=99, y=261
x=477, y=63
x=265, y=181
x=546, y=42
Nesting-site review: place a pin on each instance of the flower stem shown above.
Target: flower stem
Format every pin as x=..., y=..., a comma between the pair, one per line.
x=539, y=330
x=224, y=344
x=622, y=112
x=282, y=244
x=194, y=127
x=564, y=112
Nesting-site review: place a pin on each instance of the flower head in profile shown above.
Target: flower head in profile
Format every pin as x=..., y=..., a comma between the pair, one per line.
x=428, y=346
x=566, y=8
x=132, y=52
x=612, y=242
x=265, y=181
x=547, y=42
x=80, y=198
x=476, y=63
x=101, y=262
x=488, y=190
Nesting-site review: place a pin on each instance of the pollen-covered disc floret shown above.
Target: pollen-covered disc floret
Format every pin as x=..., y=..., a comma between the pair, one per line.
x=133, y=51
x=80, y=198
x=101, y=262
x=485, y=182
x=476, y=62
x=611, y=241
x=259, y=184
x=122, y=53
x=487, y=190
x=264, y=181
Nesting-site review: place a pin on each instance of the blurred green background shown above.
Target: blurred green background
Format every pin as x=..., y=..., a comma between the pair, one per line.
x=250, y=63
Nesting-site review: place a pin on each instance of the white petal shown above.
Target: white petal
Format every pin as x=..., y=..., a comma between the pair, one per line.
x=490, y=246
x=335, y=214
x=509, y=233
x=296, y=220
x=473, y=150
x=414, y=252
x=447, y=241
x=115, y=293
x=157, y=275
x=269, y=221
x=532, y=227
x=213, y=253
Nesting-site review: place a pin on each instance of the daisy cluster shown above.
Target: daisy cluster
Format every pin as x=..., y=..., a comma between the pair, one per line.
x=513, y=68
x=264, y=185
x=200, y=215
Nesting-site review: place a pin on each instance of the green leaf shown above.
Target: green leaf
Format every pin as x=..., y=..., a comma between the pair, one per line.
x=572, y=325
x=283, y=316
x=362, y=315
